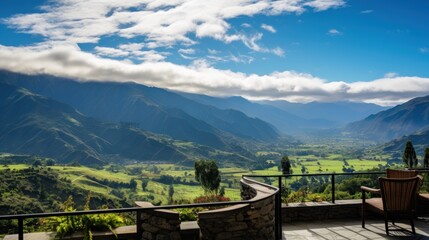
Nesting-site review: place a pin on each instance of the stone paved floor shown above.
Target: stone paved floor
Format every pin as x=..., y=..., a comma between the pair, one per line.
x=350, y=229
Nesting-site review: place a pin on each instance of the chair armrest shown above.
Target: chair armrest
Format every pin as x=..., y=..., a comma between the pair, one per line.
x=371, y=190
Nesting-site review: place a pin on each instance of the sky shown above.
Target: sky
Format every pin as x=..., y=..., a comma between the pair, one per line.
x=296, y=50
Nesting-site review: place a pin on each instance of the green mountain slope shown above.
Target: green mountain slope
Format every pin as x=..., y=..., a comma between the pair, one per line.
x=33, y=124
x=420, y=140
x=284, y=121
x=154, y=109
x=398, y=121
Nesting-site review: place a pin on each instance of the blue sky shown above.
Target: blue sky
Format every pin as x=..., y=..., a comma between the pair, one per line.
x=295, y=50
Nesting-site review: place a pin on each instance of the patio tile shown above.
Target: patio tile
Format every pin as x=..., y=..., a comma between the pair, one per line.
x=351, y=229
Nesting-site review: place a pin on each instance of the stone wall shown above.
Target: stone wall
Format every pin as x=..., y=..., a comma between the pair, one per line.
x=159, y=224
x=342, y=209
x=254, y=220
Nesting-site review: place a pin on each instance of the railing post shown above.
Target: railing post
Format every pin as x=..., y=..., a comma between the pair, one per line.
x=278, y=209
x=139, y=226
x=20, y=228
x=333, y=187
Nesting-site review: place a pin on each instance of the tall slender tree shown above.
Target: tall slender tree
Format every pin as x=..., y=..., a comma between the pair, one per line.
x=285, y=164
x=426, y=159
x=170, y=194
x=409, y=157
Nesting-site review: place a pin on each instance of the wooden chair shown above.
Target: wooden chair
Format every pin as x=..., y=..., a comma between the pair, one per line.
x=393, y=173
x=398, y=200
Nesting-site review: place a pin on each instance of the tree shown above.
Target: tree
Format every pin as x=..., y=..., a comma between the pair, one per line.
x=37, y=163
x=222, y=191
x=409, y=157
x=426, y=159
x=133, y=184
x=285, y=164
x=50, y=162
x=207, y=174
x=145, y=182
x=303, y=169
x=170, y=194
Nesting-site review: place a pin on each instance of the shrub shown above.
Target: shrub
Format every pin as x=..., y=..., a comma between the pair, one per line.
x=66, y=225
x=189, y=214
x=211, y=198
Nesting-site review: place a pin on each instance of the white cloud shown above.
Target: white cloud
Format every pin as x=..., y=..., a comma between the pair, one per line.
x=184, y=53
x=240, y=59
x=278, y=51
x=201, y=77
x=367, y=11
x=110, y=52
x=131, y=47
x=390, y=75
x=246, y=25
x=212, y=51
x=322, y=5
x=150, y=56
x=130, y=50
x=162, y=23
x=268, y=28
x=334, y=32
x=187, y=51
x=251, y=42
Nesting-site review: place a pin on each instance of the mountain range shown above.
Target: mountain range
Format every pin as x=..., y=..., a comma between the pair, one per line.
x=395, y=122
x=294, y=118
x=94, y=122
x=153, y=109
x=34, y=124
x=420, y=140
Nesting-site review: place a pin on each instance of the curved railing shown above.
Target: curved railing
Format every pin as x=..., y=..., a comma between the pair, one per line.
x=245, y=178
x=138, y=210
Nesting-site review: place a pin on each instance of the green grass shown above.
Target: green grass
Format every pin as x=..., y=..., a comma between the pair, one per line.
x=79, y=176
x=14, y=166
x=100, y=174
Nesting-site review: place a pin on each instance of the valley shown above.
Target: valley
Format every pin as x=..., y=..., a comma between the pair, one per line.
x=118, y=143
x=112, y=180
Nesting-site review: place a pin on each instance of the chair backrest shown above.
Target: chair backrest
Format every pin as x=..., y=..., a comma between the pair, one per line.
x=393, y=173
x=399, y=194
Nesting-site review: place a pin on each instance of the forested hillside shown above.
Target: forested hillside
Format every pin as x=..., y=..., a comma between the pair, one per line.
x=40, y=189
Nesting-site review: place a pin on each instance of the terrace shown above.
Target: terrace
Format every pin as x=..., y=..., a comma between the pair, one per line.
x=350, y=229
x=260, y=215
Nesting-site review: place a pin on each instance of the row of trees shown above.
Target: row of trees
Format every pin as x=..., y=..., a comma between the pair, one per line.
x=409, y=157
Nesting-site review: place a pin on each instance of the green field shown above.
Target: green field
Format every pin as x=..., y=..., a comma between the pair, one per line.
x=90, y=178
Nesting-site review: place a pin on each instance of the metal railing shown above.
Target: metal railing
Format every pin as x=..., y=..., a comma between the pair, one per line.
x=139, y=211
x=332, y=175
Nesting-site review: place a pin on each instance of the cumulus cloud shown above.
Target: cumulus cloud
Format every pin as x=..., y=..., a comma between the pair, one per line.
x=268, y=28
x=187, y=51
x=184, y=53
x=163, y=23
x=334, y=32
x=390, y=75
x=200, y=76
x=110, y=52
x=148, y=25
x=322, y=5
x=132, y=50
